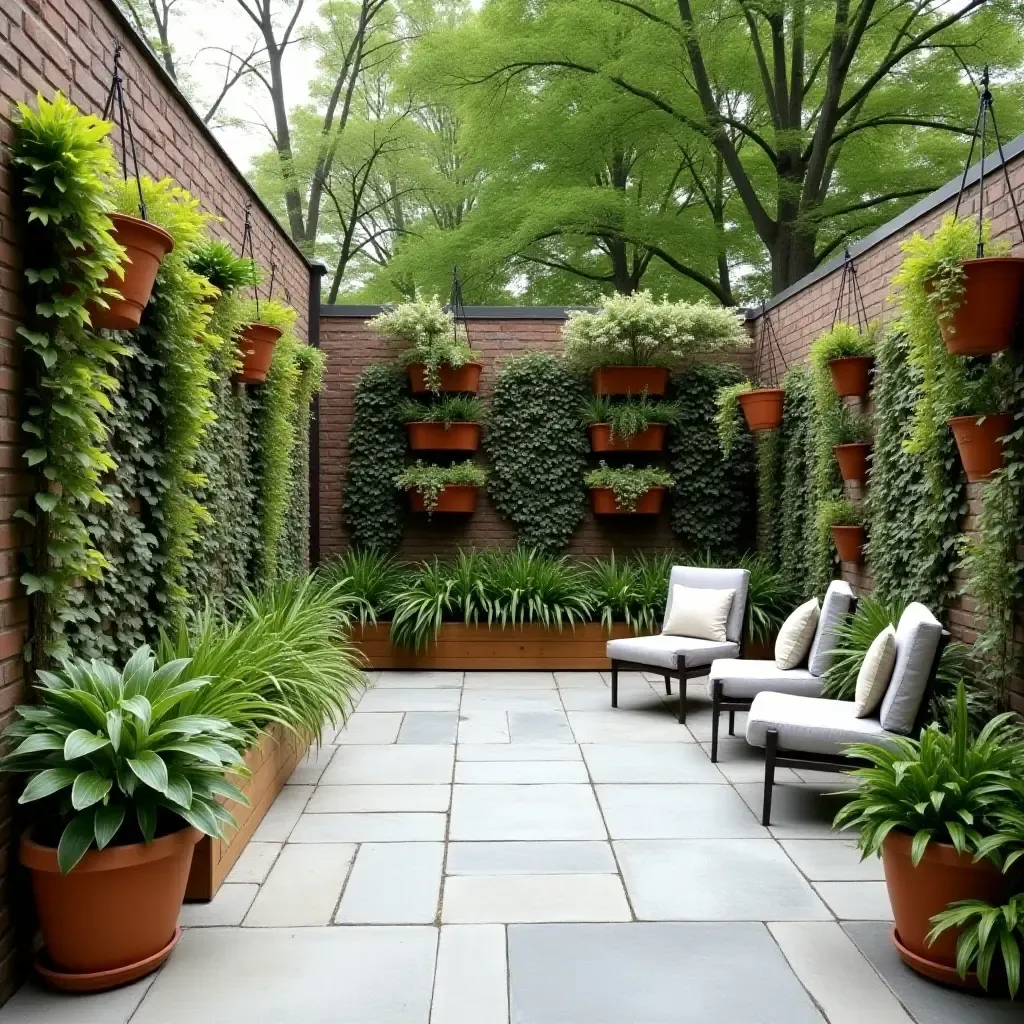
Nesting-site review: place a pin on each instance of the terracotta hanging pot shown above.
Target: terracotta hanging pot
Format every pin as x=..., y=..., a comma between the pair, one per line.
x=853, y=461
x=650, y=440
x=850, y=375
x=463, y=379
x=145, y=246
x=943, y=876
x=978, y=440
x=603, y=501
x=256, y=343
x=849, y=542
x=762, y=408
x=454, y=499
x=112, y=918
x=986, y=318
x=630, y=380
x=443, y=437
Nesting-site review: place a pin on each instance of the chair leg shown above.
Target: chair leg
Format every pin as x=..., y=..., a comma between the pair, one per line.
x=615, y=684
x=668, y=686
x=682, y=698
x=771, y=748
x=732, y=723
x=716, y=710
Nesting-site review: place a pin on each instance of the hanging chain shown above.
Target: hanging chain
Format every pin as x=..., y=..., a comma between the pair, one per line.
x=116, y=95
x=457, y=307
x=247, y=242
x=849, y=287
x=766, y=348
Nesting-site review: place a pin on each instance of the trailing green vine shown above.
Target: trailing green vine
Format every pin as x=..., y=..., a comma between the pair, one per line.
x=769, y=446
x=430, y=480
x=628, y=483
x=797, y=506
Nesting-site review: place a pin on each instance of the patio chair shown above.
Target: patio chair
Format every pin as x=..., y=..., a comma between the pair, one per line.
x=812, y=732
x=684, y=657
x=733, y=684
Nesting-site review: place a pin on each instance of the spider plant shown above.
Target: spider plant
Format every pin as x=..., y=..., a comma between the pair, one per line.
x=612, y=588
x=469, y=578
x=421, y=603
x=652, y=572
x=527, y=586
x=450, y=409
x=366, y=578
x=627, y=419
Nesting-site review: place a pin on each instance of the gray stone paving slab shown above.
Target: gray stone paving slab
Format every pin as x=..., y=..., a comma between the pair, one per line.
x=828, y=860
x=393, y=883
x=371, y=727
x=227, y=907
x=652, y=974
x=313, y=975
x=519, y=752
x=539, y=727
x=284, y=812
x=511, y=700
x=525, y=812
x=369, y=828
x=529, y=858
x=304, y=886
x=509, y=680
x=418, y=699
x=856, y=901
x=394, y=678
x=308, y=771
x=649, y=762
x=471, y=899
x=620, y=725
x=519, y=772
x=635, y=698
x=582, y=680
x=33, y=1004
x=676, y=812
x=478, y=727
x=255, y=862
x=363, y=798
x=739, y=762
x=404, y=763
x=429, y=727
x=798, y=812
x=471, y=986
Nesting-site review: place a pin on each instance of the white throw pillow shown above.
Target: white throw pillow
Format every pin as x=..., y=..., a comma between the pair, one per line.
x=875, y=673
x=796, y=634
x=699, y=613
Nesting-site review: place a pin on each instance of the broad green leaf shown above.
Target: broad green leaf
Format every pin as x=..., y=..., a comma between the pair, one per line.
x=89, y=788
x=75, y=841
x=82, y=742
x=106, y=823
x=150, y=769
x=46, y=783
x=179, y=790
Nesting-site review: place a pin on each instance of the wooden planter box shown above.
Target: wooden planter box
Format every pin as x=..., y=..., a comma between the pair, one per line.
x=271, y=762
x=460, y=647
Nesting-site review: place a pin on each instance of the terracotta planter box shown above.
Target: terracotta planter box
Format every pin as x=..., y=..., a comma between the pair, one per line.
x=271, y=762
x=630, y=380
x=853, y=461
x=978, y=440
x=459, y=647
x=850, y=375
x=456, y=499
x=650, y=440
x=602, y=499
x=443, y=437
x=849, y=543
x=762, y=408
x=464, y=379
x=984, y=321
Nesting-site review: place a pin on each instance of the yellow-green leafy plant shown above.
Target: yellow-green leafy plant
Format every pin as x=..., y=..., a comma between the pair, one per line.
x=728, y=420
x=628, y=483
x=430, y=481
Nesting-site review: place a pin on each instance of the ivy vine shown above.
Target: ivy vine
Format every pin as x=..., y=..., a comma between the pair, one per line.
x=797, y=508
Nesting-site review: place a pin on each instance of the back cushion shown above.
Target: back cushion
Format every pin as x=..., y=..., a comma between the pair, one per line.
x=838, y=602
x=701, y=577
x=795, y=635
x=701, y=613
x=917, y=640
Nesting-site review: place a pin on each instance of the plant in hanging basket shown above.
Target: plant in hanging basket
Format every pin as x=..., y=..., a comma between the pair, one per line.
x=974, y=397
x=850, y=435
x=453, y=424
x=627, y=490
x=433, y=489
x=845, y=522
x=217, y=262
x=849, y=353
x=761, y=406
x=633, y=425
x=267, y=321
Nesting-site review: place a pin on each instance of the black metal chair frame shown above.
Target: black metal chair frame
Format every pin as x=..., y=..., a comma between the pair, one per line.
x=776, y=758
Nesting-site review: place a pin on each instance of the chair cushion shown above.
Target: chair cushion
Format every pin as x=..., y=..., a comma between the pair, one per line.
x=699, y=612
x=715, y=579
x=811, y=725
x=746, y=679
x=837, y=603
x=796, y=634
x=917, y=640
x=875, y=673
x=671, y=652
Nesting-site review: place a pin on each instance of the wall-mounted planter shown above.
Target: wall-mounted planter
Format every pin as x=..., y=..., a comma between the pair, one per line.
x=978, y=439
x=650, y=440
x=985, y=320
x=849, y=543
x=850, y=375
x=602, y=500
x=145, y=246
x=463, y=379
x=256, y=344
x=762, y=408
x=455, y=499
x=443, y=437
x=630, y=380
x=853, y=461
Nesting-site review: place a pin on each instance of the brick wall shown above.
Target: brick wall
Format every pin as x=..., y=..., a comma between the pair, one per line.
x=68, y=45
x=805, y=310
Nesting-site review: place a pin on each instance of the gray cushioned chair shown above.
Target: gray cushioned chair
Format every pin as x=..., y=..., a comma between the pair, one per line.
x=732, y=684
x=684, y=657
x=812, y=732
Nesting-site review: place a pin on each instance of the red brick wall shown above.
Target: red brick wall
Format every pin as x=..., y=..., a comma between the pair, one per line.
x=46, y=45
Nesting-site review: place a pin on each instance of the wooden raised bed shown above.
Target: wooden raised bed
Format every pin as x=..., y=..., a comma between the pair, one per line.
x=271, y=762
x=462, y=647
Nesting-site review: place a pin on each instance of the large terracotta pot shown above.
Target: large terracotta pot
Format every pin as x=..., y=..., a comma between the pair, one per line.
x=849, y=542
x=630, y=380
x=650, y=440
x=853, y=461
x=985, y=320
x=850, y=375
x=917, y=894
x=603, y=502
x=762, y=408
x=114, y=916
x=464, y=379
x=145, y=246
x=256, y=343
x=443, y=437
x=978, y=439
x=455, y=498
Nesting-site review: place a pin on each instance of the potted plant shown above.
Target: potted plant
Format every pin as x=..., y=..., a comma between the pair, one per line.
x=217, y=262
x=762, y=410
x=971, y=396
x=630, y=343
x=849, y=353
x=627, y=491
x=635, y=425
x=449, y=489
x=928, y=806
x=435, y=350
x=451, y=425
x=852, y=436
x=125, y=784
x=845, y=521
x=267, y=322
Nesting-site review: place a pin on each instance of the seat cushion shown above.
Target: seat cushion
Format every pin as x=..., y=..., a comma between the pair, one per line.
x=715, y=579
x=746, y=679
x=917, y=640
x=699, y=612
x=796, y=634
x=837, y=603
x=811, y=725
x=671, y=652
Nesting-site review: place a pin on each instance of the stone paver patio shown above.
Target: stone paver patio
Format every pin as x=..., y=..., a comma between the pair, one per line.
x=479, y=848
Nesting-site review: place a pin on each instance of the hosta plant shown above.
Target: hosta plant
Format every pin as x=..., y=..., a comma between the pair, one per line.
x=112, y=758
x=628, y=483
x=430, y=481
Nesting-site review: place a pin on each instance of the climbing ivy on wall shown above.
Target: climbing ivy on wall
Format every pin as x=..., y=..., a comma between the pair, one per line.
x=797, y=509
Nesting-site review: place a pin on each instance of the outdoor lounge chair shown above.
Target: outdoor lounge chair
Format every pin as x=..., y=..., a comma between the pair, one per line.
x=733, y=684
x=812, y=732
x=684, y=657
